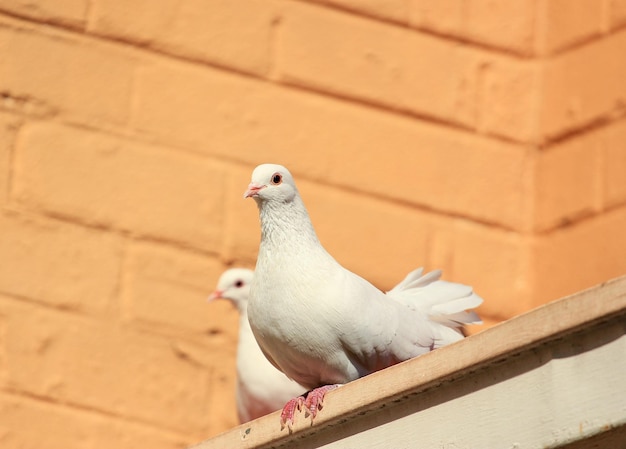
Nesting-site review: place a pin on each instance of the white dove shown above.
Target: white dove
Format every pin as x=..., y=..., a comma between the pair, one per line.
x=261, y=388
x=323, y=325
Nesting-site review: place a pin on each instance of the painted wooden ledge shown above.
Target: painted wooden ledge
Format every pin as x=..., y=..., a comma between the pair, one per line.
x=553, y=377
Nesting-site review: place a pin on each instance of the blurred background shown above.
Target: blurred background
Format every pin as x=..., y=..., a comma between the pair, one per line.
x=483, y=137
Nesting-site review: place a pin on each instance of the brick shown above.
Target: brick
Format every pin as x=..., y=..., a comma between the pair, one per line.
x=584, y=86
x=445, y=171
x=8, y=130
x=394, y=10
x=242, y=233
x=81, y=428
x=59, y=74
x=59, y=264
x=501, y=24
x=199, y=96
x=580, y=256
x=379, y=63
x=568, y=181
x=376, y=239
x=617, y=13
x=139, y=188
x=245, y=123
x=167, y=288
x=230, y=33
x=504, y=24
x=615, y=164
x=509, y=98
x=435, y=176
x=563, y=23
x=219, y=359
x=222, y=407
x=498, y=94
x=67, y=12
x=135, y=22
x=496, y=263
x=442, y=16
x=105, y=367
x=3, y=352
x=336, y=143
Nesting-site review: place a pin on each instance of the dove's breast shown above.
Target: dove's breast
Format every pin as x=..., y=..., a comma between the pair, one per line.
x=299, y=324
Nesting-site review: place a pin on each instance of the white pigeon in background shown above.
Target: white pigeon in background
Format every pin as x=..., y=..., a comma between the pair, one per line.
x=261, y=388
x=323, y=325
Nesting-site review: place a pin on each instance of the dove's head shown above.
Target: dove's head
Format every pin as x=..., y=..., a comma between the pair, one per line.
x=234, y=285
x=271, y=182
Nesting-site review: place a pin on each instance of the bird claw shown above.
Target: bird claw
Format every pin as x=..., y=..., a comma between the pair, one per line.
x=289, y=410
x=315, y=400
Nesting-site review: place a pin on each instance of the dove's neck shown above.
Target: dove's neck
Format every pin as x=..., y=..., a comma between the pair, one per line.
x=244, y=325
x=287, y=226
x=242, y=308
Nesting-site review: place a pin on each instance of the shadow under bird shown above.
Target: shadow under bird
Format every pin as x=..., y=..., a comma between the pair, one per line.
x=323, y=325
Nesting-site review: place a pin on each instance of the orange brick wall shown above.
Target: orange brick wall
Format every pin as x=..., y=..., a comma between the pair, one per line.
x=486, y=138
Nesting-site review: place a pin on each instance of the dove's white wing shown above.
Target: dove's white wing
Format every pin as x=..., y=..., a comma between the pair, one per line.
x=447, y=303
x=379, y=333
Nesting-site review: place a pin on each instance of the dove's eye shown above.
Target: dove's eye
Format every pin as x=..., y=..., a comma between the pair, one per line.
x=239, y=283
x=277, y=178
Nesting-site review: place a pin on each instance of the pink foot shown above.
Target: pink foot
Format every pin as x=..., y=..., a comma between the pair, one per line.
x=315, y=400
x=287, y=415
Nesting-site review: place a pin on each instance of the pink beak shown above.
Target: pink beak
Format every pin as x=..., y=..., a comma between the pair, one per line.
x=253, y=190
x=215, y=295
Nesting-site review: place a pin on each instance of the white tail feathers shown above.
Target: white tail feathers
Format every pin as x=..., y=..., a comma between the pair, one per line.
x=444, y=302
x=415, y=279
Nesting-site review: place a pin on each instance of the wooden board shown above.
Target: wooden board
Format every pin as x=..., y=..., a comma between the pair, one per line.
x=549, y=378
